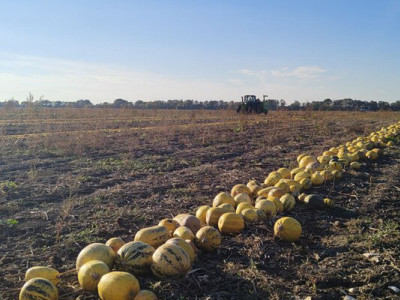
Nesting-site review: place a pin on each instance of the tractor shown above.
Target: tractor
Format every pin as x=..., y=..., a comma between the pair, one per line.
x=250, y=104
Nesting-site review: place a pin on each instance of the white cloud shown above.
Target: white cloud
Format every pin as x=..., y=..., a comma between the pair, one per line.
x=302, y=72
x=248, y=72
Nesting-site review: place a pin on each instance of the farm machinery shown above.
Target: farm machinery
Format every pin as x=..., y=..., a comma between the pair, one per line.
x=251, y=104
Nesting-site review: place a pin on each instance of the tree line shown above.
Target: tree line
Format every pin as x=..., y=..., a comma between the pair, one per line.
x=346, y=104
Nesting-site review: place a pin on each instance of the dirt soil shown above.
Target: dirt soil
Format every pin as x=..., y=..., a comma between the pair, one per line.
x=72, y=177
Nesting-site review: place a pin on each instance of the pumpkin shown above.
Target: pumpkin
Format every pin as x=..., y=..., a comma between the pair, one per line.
x=278, y=204
x=315, y=201
x=222, y=198
x=38, y=288
x=242, y=198
x=90, y=274
x=208, y=238
x=227, y=207
x=317, y=178
x=240, y=188
x=185, y=245
x=301, y=175
x=118, y=285
x=314, y=167
x=324, y=159
x=96, y=251
x=298, y=159
x=154, y=235
x=170, y=224
x=252, y=182
x=201, y=213
x=329, y=202
x=336, y=165
x=285, y=173
x=283, y=186
x=242, y=206
x=288, y=202
x=371, y=155
x=288, y=229
x=190, y=222
x=170, y=260
x=337, y=174
x=276, y=192
x=213, y=215
x=231, y=223
x=264, y=192
x=261, y=215
x=115, y=243
x=306, y=160
x=355, y=165
x=254, y=190
x=272, y=180
x=145, y=295
x=134, y=257
x=184, y=233
x=249, y=215
x=267, y=206
x=43, y=272
x=296, y=170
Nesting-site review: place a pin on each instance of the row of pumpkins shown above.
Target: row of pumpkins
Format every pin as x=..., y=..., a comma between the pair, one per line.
x=169, y=249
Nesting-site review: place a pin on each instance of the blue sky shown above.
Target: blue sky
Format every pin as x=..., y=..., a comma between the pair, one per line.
x=289, y=49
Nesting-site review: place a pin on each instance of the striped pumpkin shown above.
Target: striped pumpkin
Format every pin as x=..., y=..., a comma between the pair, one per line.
x=170, y=260
x=208, y=238
x=185, y=245
x=184, y=233
x=154, y=236
x=43, y=272
x=134, y=257
x=170, y=224
x=231, y=223
x=38, y=288
x=213, y=214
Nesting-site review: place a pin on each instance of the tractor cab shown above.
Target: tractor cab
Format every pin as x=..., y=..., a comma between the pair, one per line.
x=249, y=98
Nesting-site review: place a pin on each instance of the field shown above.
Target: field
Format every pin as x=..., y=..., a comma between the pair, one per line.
x=69, y=177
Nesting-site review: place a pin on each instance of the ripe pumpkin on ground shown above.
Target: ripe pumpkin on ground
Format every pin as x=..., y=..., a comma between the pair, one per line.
x=43, y=272
x=115, y=243
x=222, y=198
x=95, y=251
x=268, y=206
x=189, y=221
x=117, y=286
x=154, y=235
x=185, y=245
x=243, y=206
x=288, y=202
x=208, y=238
x=240, y=188
x=288, y=229
x=201, y=213
x=170, y=224
x=134, y=257
x=242, y=198
x=90, y=274
x=227, y=207
x=213, y=214
x=146, y=295
x=249, y=215
x=184, y=233
x=231, y=223
x=38, y=288
x=170, y=260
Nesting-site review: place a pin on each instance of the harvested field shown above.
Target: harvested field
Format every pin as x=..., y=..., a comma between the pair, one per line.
x=69, y=177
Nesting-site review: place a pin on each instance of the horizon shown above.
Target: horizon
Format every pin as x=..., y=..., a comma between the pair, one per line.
x=95, y=50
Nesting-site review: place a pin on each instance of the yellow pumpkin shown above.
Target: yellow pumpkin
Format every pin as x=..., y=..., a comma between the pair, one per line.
x=240, y=188
x=90, y=273
x=170, y=224
x=95, y=251
x=283, y=186
x=285, y=173
x=249, y=215
x=242, y=206
x=276, y=192
x=38, y=288
x=201, y=213
x=222, y=198
x=268, y=206
x=115, y=243
x=184, y=233
x=146, y=295
x=227, y=207
x=134, y=257
x=272, y=180
x=317, y=178
x=288, y=229
x=43, y=272
x=170, y=260
x=185, y=245
x=261, y=215
x=231, y=223
x=213, y=215
x=288, y=202
x=355, y=165
x=118, y=285
x=242, y=198
x=154, y=235
x=306, y=160
x=278, y=204
x=208, y=238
